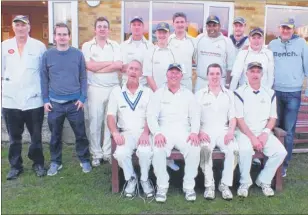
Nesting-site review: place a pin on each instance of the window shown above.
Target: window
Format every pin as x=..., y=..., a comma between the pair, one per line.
x=274, y=15
x=154, y=12
x=67, y=12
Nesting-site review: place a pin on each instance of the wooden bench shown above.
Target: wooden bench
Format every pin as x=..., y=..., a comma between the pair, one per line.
x=302, y=125
x=176, y=155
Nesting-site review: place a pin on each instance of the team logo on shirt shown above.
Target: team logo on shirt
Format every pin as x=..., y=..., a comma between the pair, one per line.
x=263, y=101
x=11, y=51
x=207, y=104
x=123, y=106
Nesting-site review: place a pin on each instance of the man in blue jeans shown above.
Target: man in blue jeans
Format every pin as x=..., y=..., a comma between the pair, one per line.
x=64, y=89
x=291, y=66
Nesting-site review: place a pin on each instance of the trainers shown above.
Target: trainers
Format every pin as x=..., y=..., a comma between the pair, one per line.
x=243, y=189
x=53, y=169
x=190, y=195
x=284, y=172
x=39, y=170
x=256, y=162
x=147, y=188
x=266, y=188
x=86, y=167
x=14, y=173
x=96, y=162
x=172, y=165
x=225, y=191
x=130, y=189
x=209, y=193
x=161, y=195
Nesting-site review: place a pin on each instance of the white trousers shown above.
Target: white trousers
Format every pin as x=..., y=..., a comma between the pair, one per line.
x=123, y=154
x=96, y=107
x=202, y=83
x=206, y=162
x=273, y=149
x=176, y=139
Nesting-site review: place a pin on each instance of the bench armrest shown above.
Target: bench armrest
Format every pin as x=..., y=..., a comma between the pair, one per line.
x=278, y=132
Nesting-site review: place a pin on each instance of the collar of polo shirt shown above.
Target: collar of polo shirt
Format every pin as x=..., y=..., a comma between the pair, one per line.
x=223, y=89
x=172, y=36
x=130, y=39
x=125, y=89
x=94, y=42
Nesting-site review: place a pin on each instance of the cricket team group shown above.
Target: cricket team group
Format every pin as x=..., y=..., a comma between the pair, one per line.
x=142, y=97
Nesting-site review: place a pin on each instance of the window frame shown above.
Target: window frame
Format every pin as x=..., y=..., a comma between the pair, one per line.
x=278, y=7
x=74, y=16
x=206, y=6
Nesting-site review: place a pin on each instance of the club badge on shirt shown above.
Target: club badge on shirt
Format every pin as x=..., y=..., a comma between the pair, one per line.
x=11, y=51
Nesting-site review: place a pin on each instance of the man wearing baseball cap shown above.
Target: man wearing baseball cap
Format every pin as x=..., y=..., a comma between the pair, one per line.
x=213, y=47
x=255, y=52
x=135, y=47
x=158, y=59
x=22, y=103
x=291, y=66
x=256, y=113
x=173, y=118
x=238, y=38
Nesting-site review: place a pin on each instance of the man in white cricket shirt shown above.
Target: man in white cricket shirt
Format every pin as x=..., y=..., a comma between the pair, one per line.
x=174, y=120
x=218, y=123
x=22, y=102
x=104, y=62
x=238, y=38
x=157, y=59
x=213, y=47
x=126, y=118
x=135, y=47
x=256, y=114
x=183, y=47
x=255, y=52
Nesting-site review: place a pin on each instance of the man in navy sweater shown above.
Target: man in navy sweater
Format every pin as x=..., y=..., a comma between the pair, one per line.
x=64, y=89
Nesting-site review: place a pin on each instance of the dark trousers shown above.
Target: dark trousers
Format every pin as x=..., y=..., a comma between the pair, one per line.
x=56, y=119
x=288, y=104
x=15, y=121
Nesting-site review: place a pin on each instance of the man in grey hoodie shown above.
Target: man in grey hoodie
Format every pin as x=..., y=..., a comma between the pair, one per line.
x=291, y=66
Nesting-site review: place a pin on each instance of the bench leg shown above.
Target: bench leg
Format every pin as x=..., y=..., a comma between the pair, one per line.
x=115, y=176
x=279, y=180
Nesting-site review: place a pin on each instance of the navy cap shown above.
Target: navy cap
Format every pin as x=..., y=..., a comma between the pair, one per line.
x=289, y=22
x=213, y=18
x=254, y=64
x=175, y=65
x=163, y=26
x=21, y=18
x=256, y=31
x=239, y=20
x=136, y=18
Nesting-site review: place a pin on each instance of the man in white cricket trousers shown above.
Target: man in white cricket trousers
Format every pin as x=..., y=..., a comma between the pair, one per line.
x=174, y=120
x=256, y=51
x=22, y=102
x=126, y=119
x=183, y=47
x=104, y=62
x=218, y=123
x=157, y=59
x=213, y=47
x=135, y=47
x=256, y=114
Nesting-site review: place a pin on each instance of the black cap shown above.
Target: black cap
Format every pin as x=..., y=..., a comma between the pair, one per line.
x=21, y=18
x=213, y=18
x=163, y=26
x=239, y=20
x=256, y=31
x=175, y=65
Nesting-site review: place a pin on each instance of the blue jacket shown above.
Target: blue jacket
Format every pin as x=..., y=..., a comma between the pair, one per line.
x=291, y=64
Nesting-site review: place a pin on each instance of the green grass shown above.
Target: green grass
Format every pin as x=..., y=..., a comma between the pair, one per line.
x=73, y=192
